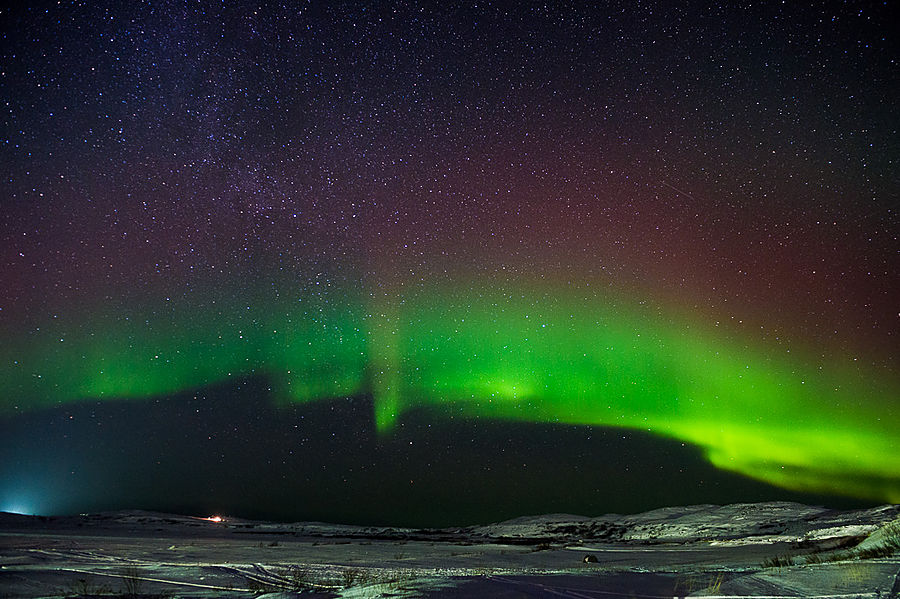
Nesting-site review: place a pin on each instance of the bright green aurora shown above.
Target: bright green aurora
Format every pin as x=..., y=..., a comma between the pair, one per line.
x=793, y=418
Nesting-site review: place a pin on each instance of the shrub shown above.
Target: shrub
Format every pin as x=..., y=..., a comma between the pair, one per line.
x=778, y=561
x=131, y=581
x=873, y=552
x=892, y=534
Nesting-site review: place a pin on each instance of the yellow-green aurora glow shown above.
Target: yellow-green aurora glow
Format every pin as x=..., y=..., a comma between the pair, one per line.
x=790, y=418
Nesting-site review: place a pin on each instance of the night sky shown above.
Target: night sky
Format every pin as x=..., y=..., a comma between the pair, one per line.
x=407, y=264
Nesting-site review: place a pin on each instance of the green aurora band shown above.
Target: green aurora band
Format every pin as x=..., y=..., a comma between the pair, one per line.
x=572, y=357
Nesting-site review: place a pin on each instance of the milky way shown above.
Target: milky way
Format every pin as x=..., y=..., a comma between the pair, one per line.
x=672, y=221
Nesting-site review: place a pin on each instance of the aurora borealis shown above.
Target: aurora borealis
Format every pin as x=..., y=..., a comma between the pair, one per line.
x=548, y=225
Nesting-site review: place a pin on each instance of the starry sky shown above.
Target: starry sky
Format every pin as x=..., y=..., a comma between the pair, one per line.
x=412, y=264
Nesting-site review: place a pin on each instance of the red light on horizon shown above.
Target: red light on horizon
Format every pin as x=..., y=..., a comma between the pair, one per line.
x=214, y=519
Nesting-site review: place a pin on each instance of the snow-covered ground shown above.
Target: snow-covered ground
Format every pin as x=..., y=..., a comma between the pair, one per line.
x=742, y=550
